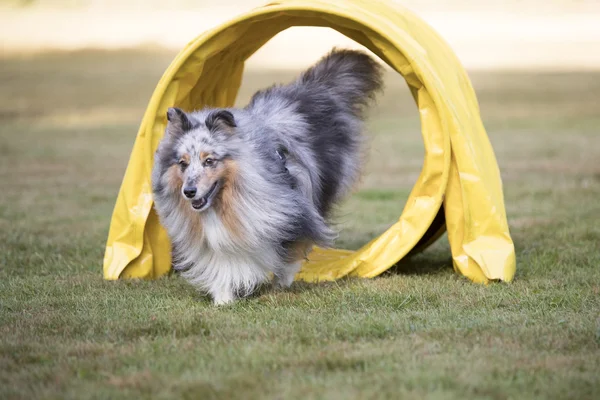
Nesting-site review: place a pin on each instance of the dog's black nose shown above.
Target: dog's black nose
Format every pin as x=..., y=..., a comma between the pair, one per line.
x=189, y=192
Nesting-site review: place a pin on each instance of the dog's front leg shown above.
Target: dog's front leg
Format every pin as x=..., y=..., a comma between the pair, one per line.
x=222, y=295
x=285, y=277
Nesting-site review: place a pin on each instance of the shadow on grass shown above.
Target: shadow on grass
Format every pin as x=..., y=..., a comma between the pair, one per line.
x=300, y=287
x=422, y=264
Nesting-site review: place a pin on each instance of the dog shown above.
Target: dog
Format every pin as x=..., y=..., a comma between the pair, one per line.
x=245, y=193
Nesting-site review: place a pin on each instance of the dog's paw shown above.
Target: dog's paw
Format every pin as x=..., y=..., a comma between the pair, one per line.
x=283, y=282
x=222, y=298
x=221, y=302
x=285, y=279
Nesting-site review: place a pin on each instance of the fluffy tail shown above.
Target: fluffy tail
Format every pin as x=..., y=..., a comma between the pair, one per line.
x=352, y=76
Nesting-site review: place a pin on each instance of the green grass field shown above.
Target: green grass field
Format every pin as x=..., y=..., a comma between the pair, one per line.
x=68, y=122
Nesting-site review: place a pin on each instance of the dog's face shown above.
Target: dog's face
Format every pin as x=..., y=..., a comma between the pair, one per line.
x=200, y=163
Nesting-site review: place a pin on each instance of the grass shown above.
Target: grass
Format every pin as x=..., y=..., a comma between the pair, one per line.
x=420, y=331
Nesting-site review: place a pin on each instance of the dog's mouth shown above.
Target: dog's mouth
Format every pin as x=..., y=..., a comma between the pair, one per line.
x=205, y=201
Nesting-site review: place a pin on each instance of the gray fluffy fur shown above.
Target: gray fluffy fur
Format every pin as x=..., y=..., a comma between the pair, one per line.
x=298, y=150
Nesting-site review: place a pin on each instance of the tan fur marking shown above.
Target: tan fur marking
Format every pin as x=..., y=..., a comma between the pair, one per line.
x=186, y=158
x=225, y=207
x=174, y=178
x=299, y=251
x=204, y=155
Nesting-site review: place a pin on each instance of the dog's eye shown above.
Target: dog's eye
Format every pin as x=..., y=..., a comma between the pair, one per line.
x=183, y=164
x=209, y=162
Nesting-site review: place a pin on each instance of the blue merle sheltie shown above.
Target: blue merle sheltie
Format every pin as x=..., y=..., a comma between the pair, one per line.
x=244, y=194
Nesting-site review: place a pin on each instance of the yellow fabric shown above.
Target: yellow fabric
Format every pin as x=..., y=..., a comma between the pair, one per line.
x=460, y=175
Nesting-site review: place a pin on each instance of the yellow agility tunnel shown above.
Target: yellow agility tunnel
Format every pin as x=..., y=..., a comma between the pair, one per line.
x=459, y=188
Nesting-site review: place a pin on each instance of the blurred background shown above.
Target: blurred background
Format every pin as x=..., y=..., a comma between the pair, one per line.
x=485, y=34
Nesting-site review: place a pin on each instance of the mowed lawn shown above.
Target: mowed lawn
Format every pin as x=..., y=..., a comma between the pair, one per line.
x=67, y=126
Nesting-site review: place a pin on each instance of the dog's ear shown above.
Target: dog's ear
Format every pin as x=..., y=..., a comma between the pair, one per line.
x=220, y=121
x=178, y=122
